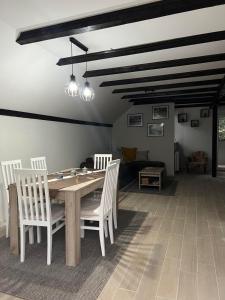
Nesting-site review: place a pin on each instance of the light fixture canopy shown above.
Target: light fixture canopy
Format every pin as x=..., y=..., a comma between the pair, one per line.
x=87, y=93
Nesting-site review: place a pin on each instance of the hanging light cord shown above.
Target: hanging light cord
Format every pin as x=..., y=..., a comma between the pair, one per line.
x=71, y=52
x=86, y=68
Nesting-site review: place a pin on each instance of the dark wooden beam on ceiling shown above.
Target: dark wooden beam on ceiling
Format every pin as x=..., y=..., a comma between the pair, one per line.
x=201, y=91
x=114, y=18
x=181, y=101
x=79, y=45
x=192, y=105
x=174, y=97
x=214, y=139
x=150, y=47
x=156, y=65
x=168, y=86
x=172, y=76
x=174, y=100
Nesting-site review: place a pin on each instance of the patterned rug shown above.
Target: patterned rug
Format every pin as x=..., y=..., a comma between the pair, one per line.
x=168, y=189
x=34, y=280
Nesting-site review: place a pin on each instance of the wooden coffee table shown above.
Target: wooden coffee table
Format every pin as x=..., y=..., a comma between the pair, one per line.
x=151, y=176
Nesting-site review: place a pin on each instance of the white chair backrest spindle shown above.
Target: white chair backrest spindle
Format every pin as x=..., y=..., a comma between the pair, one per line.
x=33, y=196
x=109, y=189
x=38, y=163
x=101, y=161
x=8, y=168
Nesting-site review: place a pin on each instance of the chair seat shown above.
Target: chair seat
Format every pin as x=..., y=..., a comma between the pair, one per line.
x=89, y=208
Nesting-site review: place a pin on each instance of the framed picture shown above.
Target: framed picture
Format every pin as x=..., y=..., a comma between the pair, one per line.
x=155, y=130
x=182, y=117
x=194, y=123
x=160, y=112
x=135, y=120
x=204, y=113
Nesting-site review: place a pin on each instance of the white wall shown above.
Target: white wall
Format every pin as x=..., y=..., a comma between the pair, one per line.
x=194, y=139
x=64, y=145
x=161, y=148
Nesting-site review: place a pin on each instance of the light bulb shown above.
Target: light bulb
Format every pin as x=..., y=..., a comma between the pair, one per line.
x=72, y=87
x=87, y=93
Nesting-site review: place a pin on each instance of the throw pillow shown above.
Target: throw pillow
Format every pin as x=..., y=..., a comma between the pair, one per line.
x=129, y=154
x=142, y=155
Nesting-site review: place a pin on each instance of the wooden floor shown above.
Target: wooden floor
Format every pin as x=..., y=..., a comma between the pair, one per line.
x=179, y=252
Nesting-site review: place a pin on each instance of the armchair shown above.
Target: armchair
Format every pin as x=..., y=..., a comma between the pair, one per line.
x=198, y=160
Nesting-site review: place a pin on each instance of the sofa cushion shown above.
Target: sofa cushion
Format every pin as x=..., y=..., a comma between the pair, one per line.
x=142, y=155
x=129, y=154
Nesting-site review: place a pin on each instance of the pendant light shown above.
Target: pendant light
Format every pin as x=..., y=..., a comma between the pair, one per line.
x=72, y=87
x=87, y=93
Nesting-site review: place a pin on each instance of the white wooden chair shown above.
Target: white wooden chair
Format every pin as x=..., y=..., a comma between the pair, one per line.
x=35, y=208
x=101, y=211
x=117, y=162
x=8, y=178
x=38, y=163
x=101, y=161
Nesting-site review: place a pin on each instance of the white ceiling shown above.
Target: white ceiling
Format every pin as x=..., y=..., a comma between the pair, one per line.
x=31, y=81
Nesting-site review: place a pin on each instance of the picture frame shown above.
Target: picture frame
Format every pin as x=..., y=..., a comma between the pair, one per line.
x=135, y=120
x=155, y=129
x=194, y=123
x=182, y=117
x=204, y=113
x=160, y=112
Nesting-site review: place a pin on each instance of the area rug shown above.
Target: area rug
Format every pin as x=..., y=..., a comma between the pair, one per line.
x=34, y=280
x=168, y=189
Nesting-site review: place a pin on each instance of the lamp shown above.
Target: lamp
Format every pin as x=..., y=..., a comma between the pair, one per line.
x=87, y=93
x=72, y=87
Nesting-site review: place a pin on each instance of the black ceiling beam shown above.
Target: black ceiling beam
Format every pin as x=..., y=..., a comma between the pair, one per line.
x=114, y=18
x=150, y=47
x=178, y=101
x=156, y=65
x=202, y=91
x=164, y=77
x=174, y=97
x=193, y=105
x=168, y=86
x=79, y=45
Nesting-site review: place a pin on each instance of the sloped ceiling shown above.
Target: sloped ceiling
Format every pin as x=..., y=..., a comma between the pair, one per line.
x=31, y=81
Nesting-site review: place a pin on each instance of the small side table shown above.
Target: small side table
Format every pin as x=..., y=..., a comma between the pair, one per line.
x=151, y=176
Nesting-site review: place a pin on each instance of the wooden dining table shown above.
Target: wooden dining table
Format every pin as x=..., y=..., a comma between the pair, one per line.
x=70, y=189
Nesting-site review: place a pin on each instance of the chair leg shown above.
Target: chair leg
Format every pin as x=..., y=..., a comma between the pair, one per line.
x=106, y=228
x=49, y=245
x=111, y=228
x=38, y=234
x=82, y=232
x=101, y=237
x=114, y=215
x=22, y=243
x=31, y=235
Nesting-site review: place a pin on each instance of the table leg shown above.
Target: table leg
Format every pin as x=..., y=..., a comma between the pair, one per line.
x=72, y=214
x=13, y=220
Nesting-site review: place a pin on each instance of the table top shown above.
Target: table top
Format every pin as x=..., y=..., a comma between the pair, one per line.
x=152, y=170
x=71, y=182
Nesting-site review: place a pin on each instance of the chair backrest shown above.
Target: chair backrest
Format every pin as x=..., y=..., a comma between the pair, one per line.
x=8, y=168
x=33, y=196
x=117, y=162
x=109, y=189
x=38, y=163
x=199, y=156
x=101, y=161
